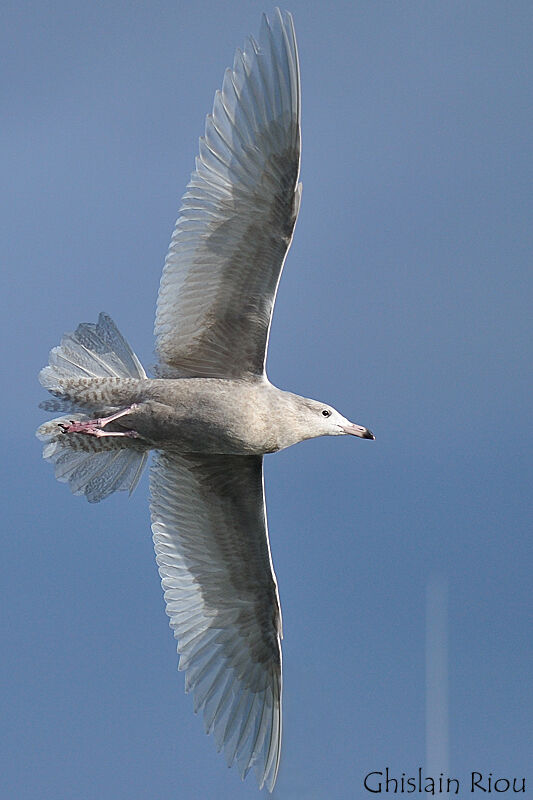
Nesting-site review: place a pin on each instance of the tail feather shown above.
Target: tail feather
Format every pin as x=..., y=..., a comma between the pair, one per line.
x=91, y=351
x=93, y=467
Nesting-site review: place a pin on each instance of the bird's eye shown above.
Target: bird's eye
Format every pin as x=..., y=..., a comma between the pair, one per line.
x=326, y=412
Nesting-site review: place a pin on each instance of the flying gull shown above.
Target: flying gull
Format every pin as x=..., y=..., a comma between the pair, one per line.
x=211, y=413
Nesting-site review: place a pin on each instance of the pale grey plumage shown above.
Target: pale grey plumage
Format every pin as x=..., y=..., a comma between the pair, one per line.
x=209, y=520
x=227, y=251
x=212, y=413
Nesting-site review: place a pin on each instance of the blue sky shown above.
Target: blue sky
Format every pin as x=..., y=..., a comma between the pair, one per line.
x=405, y=302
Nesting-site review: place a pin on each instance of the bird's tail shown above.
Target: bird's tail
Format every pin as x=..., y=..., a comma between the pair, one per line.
x=92, y=351
x=93, y=467
x=76, y=375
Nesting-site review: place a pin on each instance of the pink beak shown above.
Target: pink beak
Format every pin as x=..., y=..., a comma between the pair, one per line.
x=358, y=430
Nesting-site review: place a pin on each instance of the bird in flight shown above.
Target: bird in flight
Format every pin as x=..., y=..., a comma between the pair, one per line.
x=210, y=414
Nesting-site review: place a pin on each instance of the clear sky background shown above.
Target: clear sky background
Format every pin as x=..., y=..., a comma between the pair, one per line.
x=406, y=303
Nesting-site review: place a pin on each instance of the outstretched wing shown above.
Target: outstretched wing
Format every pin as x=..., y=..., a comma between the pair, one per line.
x=226, y=255
x=211, y=543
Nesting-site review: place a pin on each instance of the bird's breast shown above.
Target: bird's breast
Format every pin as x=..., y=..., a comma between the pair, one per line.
x=203, y=416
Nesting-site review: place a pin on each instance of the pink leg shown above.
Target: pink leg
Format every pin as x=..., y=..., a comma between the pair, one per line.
x=94, y=427
x=129, y=434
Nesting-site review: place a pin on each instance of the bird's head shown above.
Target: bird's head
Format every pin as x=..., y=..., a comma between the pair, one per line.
x=322, y=419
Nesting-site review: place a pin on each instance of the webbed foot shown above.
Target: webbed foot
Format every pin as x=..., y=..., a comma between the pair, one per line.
x=94, y=427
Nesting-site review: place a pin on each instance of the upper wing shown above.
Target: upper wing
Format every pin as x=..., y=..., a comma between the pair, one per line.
x=221, y=595
x=225, y=259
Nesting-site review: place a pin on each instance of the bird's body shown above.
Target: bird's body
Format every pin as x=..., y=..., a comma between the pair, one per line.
x=208, y=415
x=211, y=414
x=200, y=415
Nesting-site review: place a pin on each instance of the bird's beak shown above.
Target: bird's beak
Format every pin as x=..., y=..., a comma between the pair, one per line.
x=358, y=430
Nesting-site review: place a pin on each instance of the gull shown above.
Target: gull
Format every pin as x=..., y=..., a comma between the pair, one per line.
x=210, y=414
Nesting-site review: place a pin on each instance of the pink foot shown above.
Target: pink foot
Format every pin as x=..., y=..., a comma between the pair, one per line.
x=94, y=427
x=90, y=426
